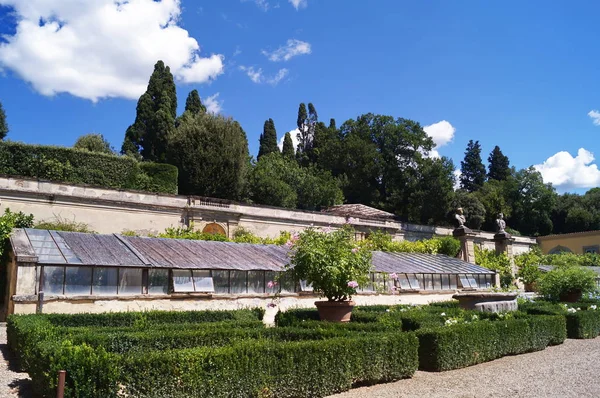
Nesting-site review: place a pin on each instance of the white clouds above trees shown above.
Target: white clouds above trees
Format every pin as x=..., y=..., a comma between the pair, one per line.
x=441, y=133
x=567, y=172
x=291, y=49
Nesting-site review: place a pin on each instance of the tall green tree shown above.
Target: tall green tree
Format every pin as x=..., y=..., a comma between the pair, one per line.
x=211, y=153
x=307, y=123
x=472, y=168
x=3, y=123
x=155, y=117
x=268, y=139
x=193, y=103
x=473, y=209
x=288, y=147
x=94, y=143
x=499, y=165
x=532, y=210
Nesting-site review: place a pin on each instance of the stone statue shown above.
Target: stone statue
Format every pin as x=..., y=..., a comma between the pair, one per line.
x=500, y=224
x=460, y=218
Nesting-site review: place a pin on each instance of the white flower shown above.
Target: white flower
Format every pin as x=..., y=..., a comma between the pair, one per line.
x=450, y=322
x=593, y=307
x=388, y=310
x=571, y=310
x=443, y=314
x=475, y=317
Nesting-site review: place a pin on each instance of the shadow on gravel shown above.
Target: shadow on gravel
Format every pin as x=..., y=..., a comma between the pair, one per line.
x=21, y=386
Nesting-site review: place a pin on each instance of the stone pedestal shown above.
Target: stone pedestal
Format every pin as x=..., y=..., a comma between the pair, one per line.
x=504, y=244
x=486, y=301
x=467, y=247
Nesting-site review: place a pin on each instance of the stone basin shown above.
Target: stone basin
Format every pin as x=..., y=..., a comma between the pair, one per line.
x=487, y=301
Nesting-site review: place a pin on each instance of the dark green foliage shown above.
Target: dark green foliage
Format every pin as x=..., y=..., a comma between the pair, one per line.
x=155, y=117
x=449, y=245
x=291, y=369
x=473, y=209
x=433, y=192
x=584, y=324
x=211, y=153
x=472, y=169
x=268, y=140
x=288, y=151
x=295, y=315
x=93, y=143
x=193, y=103
x=535, y=200
x=499, y=165
x=76, y=166
x=458, y=346
x=3, y=123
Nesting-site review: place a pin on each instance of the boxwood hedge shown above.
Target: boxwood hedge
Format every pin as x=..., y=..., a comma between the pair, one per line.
x=77, y=166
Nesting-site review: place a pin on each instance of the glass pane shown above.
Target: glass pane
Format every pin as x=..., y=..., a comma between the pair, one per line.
x=78, y=280
x=464, y=282
x=287, y=283
x=256, y=282
x=105, y=281
x=472, y=280
x=379, y=281
x=182, y=280
x=238, y=282
x=130, y=281
x=271, y=276
x=305, y=286
x=53, y=280
x=369, y=286
x=428, y=281
x=221, y=281
x=437, y=282
x=445, y=282
x=453, y=284
x=414, y=282
x=158, y=281
x=420, y=279
x=203, y=281
x=403, y=281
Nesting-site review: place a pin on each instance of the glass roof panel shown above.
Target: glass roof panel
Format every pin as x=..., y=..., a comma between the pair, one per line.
x=44, y=246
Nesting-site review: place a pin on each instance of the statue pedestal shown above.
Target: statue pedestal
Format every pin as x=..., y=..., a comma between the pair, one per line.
x=504, y=244
x=467, y=248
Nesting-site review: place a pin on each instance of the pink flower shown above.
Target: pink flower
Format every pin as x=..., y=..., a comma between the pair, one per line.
x=355, y=250
x=353, y=284
x=294, y=237
x=393, y=275
x=289, y=244
x=271, y=284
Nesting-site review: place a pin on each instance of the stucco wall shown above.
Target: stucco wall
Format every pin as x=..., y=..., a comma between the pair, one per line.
x=574, y=242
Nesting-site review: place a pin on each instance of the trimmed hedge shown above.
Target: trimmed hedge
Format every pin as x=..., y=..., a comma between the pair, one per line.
x=267, y=369
x=583, y=324
x=463, y=345
x=77, y=166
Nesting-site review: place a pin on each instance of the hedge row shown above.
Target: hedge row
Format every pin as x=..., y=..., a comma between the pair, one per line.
x=458, y=346
x=268, y=369
x=583, y=324
x=77, y=166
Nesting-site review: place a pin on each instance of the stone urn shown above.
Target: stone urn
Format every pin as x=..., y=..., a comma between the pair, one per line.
x=487, y=301
x=335, y=311
x=572, y=296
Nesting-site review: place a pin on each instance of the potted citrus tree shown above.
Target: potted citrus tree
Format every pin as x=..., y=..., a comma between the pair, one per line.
x=567, y=283
x=335, y=267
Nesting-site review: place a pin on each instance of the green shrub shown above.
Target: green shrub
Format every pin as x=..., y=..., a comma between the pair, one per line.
x=78, y=166
x=583, y=324
x=295, y=315
x=563, y=280
x=292, y=369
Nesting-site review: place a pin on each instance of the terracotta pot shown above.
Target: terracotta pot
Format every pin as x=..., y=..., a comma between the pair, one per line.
x=530, y=287
x=335, y=311
x=571, y=297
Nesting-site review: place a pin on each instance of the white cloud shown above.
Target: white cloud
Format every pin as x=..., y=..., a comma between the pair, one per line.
x=299, y=3
x=286, y=52
x=457, y=175
x=257, y=76
x=441, y=133
x=294, y=134
x=262, y=4
x=101, y=48
x=595, y=116
x=212, y=103
x=567, y=172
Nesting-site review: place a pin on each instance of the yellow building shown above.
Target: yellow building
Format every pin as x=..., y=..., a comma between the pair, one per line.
x=576, y=242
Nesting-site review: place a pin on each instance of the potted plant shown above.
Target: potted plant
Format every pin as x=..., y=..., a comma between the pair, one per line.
x=529, y=275
x=334, y=265
x=567, y=283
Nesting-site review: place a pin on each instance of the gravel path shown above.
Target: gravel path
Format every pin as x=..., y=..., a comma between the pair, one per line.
x=12, y=383
x=571, y=369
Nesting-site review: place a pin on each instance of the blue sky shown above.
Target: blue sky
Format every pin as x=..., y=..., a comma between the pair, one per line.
x=521, y=75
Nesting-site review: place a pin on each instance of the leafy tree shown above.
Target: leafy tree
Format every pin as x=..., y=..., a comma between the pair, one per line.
x=288, y=147
x=473, y=209
x=472, y=168
x=193, y=103
x=280, y=181
x=499, y=165
x=532, y=211
x=94, y=143
x=494, y=199
x=155, y=117
x=306, y=123
x=3, y=123
x=268, y=139
x=211, y=153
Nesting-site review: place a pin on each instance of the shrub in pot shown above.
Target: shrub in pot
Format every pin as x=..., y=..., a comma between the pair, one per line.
x=567, y=283
x=334, y=265
x=529, y=273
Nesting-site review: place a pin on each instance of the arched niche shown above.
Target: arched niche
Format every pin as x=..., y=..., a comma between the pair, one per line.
x=214, y=229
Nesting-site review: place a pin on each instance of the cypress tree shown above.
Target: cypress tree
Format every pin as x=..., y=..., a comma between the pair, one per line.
x=288, y=147
x=3, y=124
x=472, y=168
x=155, y=117
x=193, y=103
x=268, y=139
x=499, y=165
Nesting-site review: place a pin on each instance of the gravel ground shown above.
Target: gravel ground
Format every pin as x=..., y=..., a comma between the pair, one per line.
x=12, y=383
x=571, y=369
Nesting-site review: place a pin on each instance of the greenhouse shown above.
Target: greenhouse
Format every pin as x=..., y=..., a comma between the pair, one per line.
x=84, y=266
